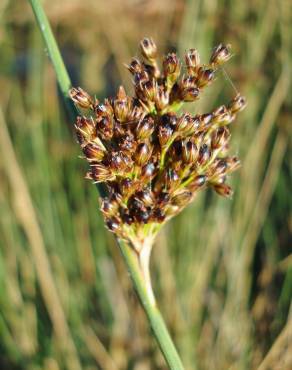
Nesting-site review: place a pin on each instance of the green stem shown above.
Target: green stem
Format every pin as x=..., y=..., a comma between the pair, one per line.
x=130, y=256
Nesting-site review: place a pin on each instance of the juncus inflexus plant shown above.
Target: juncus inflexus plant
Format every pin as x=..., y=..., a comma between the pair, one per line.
x=148, y=161
x=152, y=160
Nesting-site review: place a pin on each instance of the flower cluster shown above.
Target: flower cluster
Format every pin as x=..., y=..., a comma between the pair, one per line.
x=152, y=160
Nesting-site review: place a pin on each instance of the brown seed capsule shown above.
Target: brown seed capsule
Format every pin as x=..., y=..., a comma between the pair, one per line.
x=169, y=181
x=158, y=215
x=105, y=127
x=84, y=129
x=233, y=163
x=162, y=98
x=81, y=98
x=148, y=90
x=189, y=151
x=146, y=197
x=143, y=154
x=204, y=155
x=190, y=94
x=165, y=134
x=237, y=104
x=220, y=54
x=100, y=173
x=222, y=116
x=192, y=59
x=197, y=183
x=205, y=77
x=109, y=207
x=205, y=120
x=171, y=68
x=148, y=49
x=220, y=138
x=135, y=66
x=187, y=125
x=113, y=224
x=223, y=189
x=182, y=199
x=145, y=128
x=93, y=152
x=122, y=105
x=148, y=172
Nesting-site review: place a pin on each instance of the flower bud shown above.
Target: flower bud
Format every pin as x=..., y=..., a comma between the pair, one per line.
x=93, y=152
x=205, y=77
x=189, y=151
x=143, y=154
x=148, y=49
x=81, y=98
x=237, y=104
x=145, y=128
x=220, y=54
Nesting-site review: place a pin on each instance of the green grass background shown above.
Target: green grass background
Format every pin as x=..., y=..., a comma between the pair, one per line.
x=222, y=270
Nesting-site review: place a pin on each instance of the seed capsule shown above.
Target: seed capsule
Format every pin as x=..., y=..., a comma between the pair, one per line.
x=143, y=154
x=81, y=98
x=223, y=189
x=187, y=124
x=205, y=77
x=93, y=152
x=237, y=104
x=190, y=94
x=135, y=66
x=148, y=49
x=148, y=172
x=220, y=54
x=232, y=163
x=100, y=173
x=109, y=207
x=145, y=128
x=105, y=127
x=122, y=105
x=189, y=151
x=182, y=199
x=220, y=138
x=222, y=116
x=204, y=155
x=192, y=59
x=171, y=68
x=197, y=183
x=165, y=135
x=84, y=129
x=113, y=224
x=162, y=98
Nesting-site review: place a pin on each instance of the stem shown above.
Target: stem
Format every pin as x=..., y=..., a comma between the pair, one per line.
x=137, y=264
x=154, y=316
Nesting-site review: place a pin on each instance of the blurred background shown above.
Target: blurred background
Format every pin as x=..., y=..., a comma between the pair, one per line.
x=222, y=270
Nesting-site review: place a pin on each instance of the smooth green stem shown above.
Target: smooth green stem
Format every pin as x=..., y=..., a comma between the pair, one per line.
x=154, y=316
x=130, y=256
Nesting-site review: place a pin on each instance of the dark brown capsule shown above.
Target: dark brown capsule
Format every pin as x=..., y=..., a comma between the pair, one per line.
x=113, y=224
x=148, y=171
x=190, y=94
x=100, y=173
x=109, y=207
x=135, y=66
x=197, y=183
x=165, y=134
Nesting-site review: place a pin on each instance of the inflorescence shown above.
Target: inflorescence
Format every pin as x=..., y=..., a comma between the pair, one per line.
x=152, y=160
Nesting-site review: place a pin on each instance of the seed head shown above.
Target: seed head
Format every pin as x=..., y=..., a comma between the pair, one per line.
x=153, y=161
